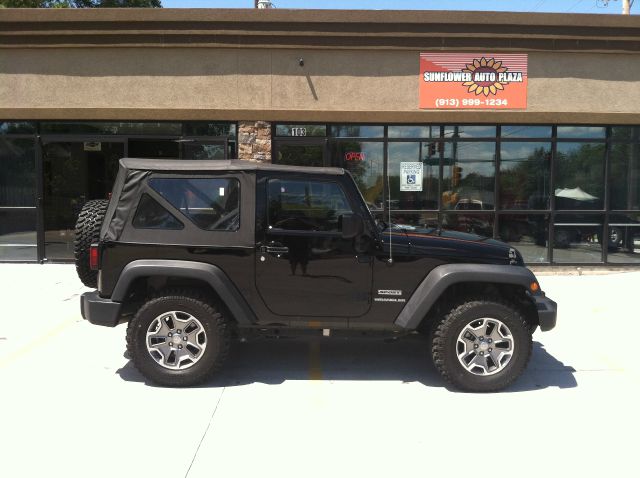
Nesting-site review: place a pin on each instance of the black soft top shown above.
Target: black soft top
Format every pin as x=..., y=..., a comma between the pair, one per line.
x=218, y=165
x=131, y=183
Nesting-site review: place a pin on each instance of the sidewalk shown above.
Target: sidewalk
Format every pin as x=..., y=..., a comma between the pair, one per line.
x=74, y=406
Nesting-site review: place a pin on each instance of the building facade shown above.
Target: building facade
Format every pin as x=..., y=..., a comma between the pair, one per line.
x=559, y=178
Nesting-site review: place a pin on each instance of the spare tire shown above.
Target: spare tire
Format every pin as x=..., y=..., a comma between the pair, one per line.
x=88, y=232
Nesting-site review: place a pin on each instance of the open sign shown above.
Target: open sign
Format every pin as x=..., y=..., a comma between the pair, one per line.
x=354, y=156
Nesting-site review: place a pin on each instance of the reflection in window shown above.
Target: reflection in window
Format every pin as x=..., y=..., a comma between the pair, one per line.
x=365, y=161
x=468, y=178
x=17, y=127
x=524, y=175
x=422, y=154
x=522, y=131
x=469, y=131
x=480, y=224
x=212, y=204
x=624, y=238
x=586, y=132
x=414, y=220
x=299, y=155
x=624, y=176
x=577, y=238
x=414, y=131
x=357, y=131
x=528, y=233
x=579, y=182
x=18, y=234
x=17, y=172
x=306, y=205
x=210, y=129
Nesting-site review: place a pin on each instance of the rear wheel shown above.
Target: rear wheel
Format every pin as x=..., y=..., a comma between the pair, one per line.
x=481, y=346
x=178, y=339
x=88, y=232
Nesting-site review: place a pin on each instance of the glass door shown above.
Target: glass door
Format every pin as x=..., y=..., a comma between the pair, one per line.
x=74, y=173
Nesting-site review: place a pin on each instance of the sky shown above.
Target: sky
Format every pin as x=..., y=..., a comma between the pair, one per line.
x=557, y=6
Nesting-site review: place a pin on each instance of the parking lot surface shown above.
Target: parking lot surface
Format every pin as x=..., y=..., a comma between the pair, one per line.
x=73, y=405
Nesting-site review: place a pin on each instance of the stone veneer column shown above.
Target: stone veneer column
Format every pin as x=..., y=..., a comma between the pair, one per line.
x=254, y=141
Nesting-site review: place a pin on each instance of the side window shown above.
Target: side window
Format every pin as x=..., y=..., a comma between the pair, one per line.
x=213, y=204
x=306, y=205
x=151, y=215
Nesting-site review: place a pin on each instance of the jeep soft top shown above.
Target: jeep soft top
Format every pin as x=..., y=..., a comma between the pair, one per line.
x=195, y=254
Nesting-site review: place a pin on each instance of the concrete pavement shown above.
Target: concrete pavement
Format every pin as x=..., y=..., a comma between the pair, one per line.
x=73, y=405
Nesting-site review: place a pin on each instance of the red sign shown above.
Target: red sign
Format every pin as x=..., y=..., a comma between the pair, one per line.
x=473, y=81
x=355, y=156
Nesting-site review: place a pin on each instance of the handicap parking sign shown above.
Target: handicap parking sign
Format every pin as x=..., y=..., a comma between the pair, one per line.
x=411, y=176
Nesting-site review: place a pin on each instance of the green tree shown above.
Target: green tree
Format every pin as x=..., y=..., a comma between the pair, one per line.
x=80, y=4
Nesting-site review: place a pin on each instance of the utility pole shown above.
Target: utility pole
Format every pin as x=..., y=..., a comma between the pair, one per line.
x=626, y=7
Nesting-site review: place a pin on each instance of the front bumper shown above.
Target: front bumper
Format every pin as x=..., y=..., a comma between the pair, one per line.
x=547, y=312
x=99, y=311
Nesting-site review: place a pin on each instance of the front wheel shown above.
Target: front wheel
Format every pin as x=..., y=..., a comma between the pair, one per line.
x=481, y=346
x=178, y=339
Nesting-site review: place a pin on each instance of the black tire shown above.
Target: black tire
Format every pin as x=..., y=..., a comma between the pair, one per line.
x=445, y=337
x=215, y=325
x=87, y=232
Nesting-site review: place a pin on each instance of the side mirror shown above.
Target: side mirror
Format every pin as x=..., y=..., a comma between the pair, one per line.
x=352, y=226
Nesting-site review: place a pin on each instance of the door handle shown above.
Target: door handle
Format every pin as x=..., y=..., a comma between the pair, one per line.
x=275, y=249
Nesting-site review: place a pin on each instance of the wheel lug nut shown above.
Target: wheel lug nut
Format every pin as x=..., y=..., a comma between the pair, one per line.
x=170, y=344
x=475, y=346
x=184, y=338
x=490, y=350
x=481, y=339
x=179, y=346
x=178, y=331
x=481, y=353
x=490, y=340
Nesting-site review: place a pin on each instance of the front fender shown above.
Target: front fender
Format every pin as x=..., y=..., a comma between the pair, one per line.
x=444, y=276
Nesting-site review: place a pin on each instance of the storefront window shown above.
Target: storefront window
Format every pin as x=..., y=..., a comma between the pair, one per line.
x=524, y=175
x=523, y=131
x=365, y=161
x=17, y=127
x=210, y=129
x=585, y=132
x=528, y=233
x=18, y=234
x=17, y=172
x=419, y=193
x=108, y=128
x=414, y=220
x=624, y=238
x=577, y=238
x=579, y=181
x=414, y=131
x=480, y=224
x=468, y=177
x=624, y=176
x=357, y=131
x=301, y=130
x=625, y=133
x=466, y=131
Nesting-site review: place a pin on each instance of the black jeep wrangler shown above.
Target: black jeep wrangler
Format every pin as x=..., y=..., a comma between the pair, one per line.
x=195, y=254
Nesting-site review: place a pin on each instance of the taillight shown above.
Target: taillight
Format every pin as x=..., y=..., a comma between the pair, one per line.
x=93, y=257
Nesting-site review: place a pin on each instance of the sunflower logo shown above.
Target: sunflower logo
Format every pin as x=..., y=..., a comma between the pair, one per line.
x=486, y=76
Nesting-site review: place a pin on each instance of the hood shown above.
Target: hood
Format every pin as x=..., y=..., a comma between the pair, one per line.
x=454, y=246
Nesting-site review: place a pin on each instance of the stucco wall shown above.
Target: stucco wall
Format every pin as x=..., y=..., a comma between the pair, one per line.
x=198, y=83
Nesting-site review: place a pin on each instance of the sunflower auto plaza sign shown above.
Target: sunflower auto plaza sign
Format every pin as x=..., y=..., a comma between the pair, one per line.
x=473, y=81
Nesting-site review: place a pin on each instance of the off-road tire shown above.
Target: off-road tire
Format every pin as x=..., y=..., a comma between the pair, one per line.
x=88, y=232
x=444, y=343
x=216, y=326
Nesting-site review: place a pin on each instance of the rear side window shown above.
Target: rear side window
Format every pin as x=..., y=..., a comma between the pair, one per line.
x=213, y=204
x=151, y=215
x=306, y=205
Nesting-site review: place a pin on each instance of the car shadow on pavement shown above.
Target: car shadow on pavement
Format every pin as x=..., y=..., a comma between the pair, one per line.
x=274, y=361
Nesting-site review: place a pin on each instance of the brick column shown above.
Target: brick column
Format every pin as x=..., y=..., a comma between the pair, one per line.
x=254, y=141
